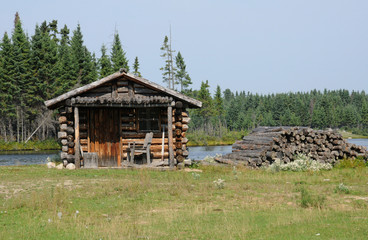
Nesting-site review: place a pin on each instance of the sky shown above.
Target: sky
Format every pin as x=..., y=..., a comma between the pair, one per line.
x=258, y=46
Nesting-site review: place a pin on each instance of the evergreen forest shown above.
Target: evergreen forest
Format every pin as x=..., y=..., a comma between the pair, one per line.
x=55, y=60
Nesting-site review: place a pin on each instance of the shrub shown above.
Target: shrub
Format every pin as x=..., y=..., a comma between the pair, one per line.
x=196, y=176
x=351, y=163
x=219, y=183
x=309, y=200
x=341, y=188
x=301, y=163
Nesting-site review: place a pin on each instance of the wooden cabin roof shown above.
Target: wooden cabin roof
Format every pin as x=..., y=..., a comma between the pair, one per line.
x=78, y=95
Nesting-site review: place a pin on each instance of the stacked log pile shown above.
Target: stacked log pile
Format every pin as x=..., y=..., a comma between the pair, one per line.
x=180, y=127
x=66, y=134
x=265, y=144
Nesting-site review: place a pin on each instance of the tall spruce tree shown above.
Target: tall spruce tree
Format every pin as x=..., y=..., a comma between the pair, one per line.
x=90, y=73
x=204, y=96
x=181, y=74
x=364, y=115
x=78, y=55
x=104, y=63
x=218, y=102
x=21, y=73
x=43, y=62
x=66, y=70
x=118, y=58
x=168, y=71
x=136, y=67
x=7, y=88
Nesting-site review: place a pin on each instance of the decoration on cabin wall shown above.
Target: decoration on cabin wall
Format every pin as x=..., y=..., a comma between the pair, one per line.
x=102, y=118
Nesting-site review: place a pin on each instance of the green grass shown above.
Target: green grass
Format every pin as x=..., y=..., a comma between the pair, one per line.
x=147, y=204
x=30, y=145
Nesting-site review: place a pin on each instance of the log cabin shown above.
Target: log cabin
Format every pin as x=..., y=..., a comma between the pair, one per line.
x=105, y=116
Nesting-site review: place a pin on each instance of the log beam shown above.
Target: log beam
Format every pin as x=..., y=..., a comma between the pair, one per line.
x=170, y=136
x=77, y=140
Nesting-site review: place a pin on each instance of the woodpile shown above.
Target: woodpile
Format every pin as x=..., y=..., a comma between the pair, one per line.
x=264, y=144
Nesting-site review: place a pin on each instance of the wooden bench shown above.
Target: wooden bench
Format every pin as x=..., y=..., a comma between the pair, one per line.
x=136, y=147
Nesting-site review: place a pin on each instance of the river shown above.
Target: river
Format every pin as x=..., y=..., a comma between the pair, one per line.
x=40, y=157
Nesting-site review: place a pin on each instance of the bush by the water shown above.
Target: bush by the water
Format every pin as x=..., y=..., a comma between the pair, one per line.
x=301, y=163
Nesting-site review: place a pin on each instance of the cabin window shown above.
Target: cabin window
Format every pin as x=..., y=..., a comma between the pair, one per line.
x=148, y=119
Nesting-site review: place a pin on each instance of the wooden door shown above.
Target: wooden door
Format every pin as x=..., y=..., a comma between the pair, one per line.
x=104, y=135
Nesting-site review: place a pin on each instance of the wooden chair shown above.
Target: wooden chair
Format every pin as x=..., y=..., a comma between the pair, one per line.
x=144, y=147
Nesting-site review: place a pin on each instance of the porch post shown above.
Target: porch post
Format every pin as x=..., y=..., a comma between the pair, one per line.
x=77, y=140
x=170, y=136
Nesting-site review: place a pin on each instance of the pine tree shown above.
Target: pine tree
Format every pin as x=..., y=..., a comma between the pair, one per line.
x=118, y=58
x=136, y=67
x=78, y=55
x=66, y=71
x=89, y=67
x=204, y=96
x=92, y=67
x=7, y=88
x=104, y=63
x=182, y=76
x=219, y=108
x=43, y=62
x=21, y=73
x=168, y=71
x=364, y=115
x=218, y=102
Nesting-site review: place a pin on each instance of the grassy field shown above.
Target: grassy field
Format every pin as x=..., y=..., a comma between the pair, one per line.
x=41, y=203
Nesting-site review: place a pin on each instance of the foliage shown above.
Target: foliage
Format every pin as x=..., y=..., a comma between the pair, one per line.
x=168, y=71
x=196, y=176
x=136, y=67
x=30, y=145
x=104, y=63
x=341, y=188
x=301, y=163
x=309, y=200
x=219, y=183
x=118, y=58
x=317, y=109
x=181, y=74
x=351, y=163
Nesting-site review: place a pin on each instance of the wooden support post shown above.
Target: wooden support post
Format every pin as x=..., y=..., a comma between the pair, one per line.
x=77, y=140
x=170, y=136
x=120, y=139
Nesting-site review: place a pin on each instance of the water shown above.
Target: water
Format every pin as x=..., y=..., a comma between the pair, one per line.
x=26, y=157
x=195, y=153
x=199, y=153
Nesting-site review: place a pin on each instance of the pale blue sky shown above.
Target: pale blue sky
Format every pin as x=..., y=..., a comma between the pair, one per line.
x=258, y=46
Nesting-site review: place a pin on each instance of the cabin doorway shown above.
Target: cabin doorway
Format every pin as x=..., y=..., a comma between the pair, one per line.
x=104, y=135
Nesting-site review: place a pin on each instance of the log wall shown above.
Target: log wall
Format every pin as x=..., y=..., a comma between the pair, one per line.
x=128, y=132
